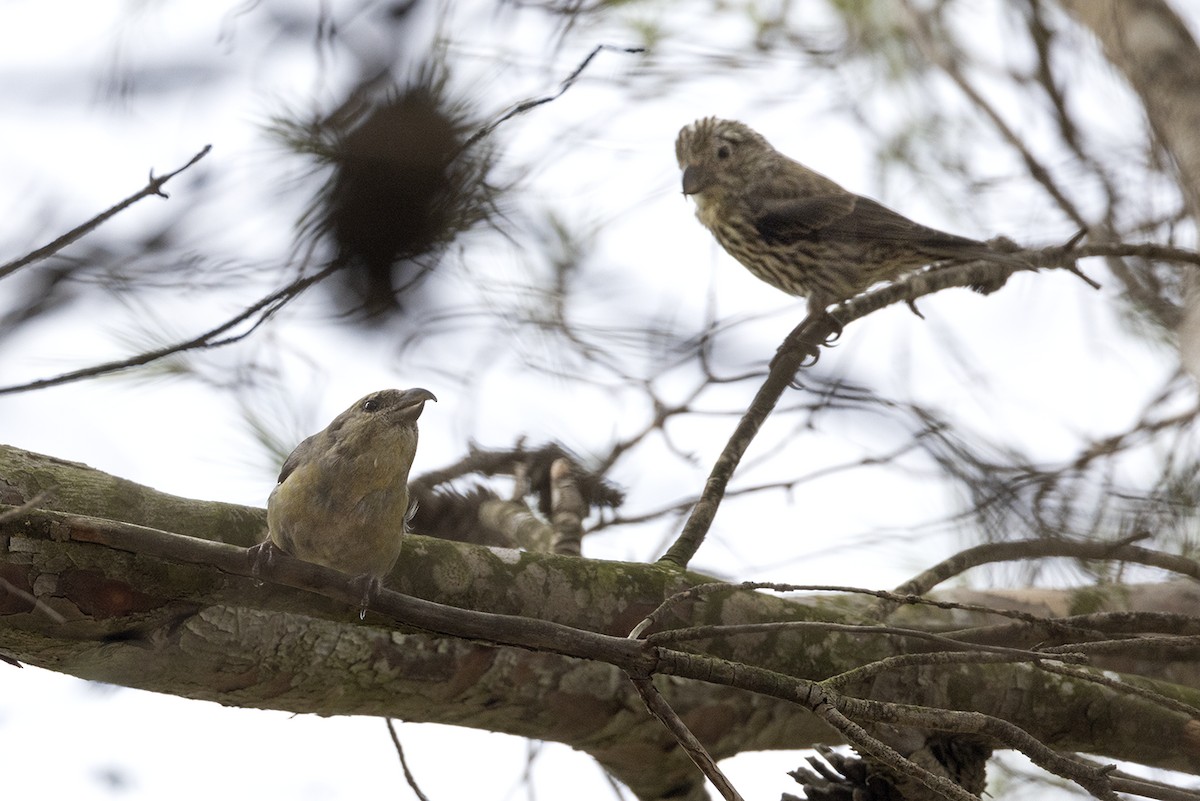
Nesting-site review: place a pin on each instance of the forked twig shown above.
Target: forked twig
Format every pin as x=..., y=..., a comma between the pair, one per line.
x=153, y=187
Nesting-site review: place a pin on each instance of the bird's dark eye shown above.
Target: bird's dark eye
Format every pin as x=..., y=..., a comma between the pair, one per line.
x=370, y=405
x=723, y=152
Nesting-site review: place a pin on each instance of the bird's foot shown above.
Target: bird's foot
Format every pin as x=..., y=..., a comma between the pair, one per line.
x=819, y=328
x=368, y=587
x=261, y=557
x=833, y=325
x=793, y=344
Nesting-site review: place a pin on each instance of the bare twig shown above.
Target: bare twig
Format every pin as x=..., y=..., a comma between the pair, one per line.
x=787, y=361
x=1107, y=679
x=264, y=309
x=1091, y=778
x=567, y=83
x=1039, y=549
x=408, y=777
x=706, y=632
x=862, y=674
x=881, y=752
x=153, y=187
x=935, y=50
x=694, y=748
x=785, y=484
x=802, y=344
x=18, y=512
x=701, y=590
x=1124, y=782
x=9, y=588
x=1144, y=646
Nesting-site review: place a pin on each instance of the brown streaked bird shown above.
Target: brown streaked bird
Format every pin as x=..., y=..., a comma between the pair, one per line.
x=798, y=230
x=342, y=497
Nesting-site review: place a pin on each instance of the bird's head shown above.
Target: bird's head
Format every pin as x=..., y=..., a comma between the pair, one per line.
x=385, y=409
x=717, y=154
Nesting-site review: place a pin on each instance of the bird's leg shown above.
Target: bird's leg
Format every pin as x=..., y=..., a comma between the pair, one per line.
x=796, y=341
x=818, y=328
x=369, y=587
x=821, y=321
x=262, y=556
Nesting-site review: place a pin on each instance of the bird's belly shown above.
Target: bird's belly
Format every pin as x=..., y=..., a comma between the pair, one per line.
x=370, y=547
x=356, y=536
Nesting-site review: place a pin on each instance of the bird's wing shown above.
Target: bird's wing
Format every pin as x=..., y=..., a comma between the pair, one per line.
x=296, y=458
x=798, y=218
x=846, y=216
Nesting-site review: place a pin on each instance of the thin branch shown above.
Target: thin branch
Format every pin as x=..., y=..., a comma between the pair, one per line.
x=1092, y=779
x=1144, y=646
x=936, y=52
x=883, y=753
x=8, y=588
x=1098, y=626
x=705, y=632
x=17, y=512
x=694, y=748
x=823, y=700
x=408, y=777
x=700, y=590
x=1040, y=549
x=783, y=369
x=1136, y=785
x=1145, y=250
x=785, y=484
x=566, y=84
x=802, y=344
x=154, y=187
x=864, y=673
x=1106, y=678
x=264, y=309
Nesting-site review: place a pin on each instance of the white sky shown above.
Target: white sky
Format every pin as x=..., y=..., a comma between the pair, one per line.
x=1049, y=350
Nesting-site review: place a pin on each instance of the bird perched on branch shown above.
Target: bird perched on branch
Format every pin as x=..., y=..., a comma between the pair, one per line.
x=798, y=230
x=342, y=497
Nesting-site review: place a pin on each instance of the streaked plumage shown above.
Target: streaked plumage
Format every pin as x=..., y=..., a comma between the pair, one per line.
x=798, y=230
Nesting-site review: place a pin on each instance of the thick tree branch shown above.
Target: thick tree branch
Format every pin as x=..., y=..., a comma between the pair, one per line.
x=181, y=614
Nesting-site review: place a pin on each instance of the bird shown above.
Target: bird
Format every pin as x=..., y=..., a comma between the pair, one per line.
x=342, y=497
x=802, y=232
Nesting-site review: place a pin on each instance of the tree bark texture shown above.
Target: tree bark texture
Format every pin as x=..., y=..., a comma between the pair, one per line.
x=157, y=616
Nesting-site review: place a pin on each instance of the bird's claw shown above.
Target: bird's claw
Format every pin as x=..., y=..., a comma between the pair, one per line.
x=824, y=327
x=836, y=333
x=810, y=349
x=368, y=587
x=818, y=328
x=262, y=556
